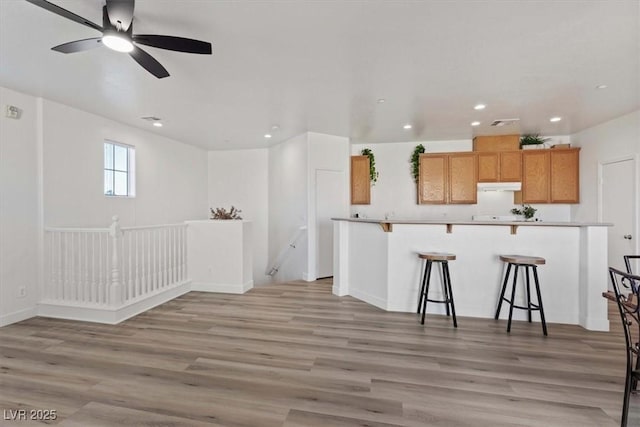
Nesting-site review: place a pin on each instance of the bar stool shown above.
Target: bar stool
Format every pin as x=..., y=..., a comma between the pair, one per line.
x=443, y=259
x=529, y=263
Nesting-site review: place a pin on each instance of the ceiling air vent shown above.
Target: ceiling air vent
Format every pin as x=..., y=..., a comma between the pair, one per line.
x=504, y=122
x=151, y=119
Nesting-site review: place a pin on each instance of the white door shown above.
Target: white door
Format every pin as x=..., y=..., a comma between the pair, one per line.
x=618, y=207
x=330, y=203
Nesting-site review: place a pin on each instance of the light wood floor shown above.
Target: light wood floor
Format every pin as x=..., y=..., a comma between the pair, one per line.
x=295, y=355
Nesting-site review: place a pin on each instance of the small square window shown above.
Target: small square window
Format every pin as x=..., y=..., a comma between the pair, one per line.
x=119, y=168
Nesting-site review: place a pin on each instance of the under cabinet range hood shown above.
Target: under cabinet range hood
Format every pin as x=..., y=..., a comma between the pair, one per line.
x=499, y=186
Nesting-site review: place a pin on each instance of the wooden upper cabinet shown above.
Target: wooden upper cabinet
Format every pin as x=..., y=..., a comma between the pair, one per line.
x=535, y=176
x=463, y=178
x=488, y=167
x=448, y=178
x=360, y=181
x=432, y=181
x=504, y=166
x=565, y=180
x=510, y=166
x=496, y=143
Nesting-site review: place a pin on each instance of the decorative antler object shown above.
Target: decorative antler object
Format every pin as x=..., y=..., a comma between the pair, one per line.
x=221, y=213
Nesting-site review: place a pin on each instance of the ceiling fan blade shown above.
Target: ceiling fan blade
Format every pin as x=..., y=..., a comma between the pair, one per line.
x=120, y=13
x=78, y=45
x=179, y=44
x=65, y=13
x=149, y=63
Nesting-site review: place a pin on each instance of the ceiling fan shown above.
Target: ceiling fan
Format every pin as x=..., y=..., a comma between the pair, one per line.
x=117, y=34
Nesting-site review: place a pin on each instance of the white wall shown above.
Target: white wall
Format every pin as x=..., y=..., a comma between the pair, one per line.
x=326, y=152
x=288, y=195
x=241, y=178
x=19, y=207
x=51, y=173
x=395, y=193
x=608, y=141
x=171, y=177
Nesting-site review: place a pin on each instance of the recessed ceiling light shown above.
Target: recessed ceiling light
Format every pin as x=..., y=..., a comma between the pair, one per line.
x=407, y=126
x=601, y=87
x=157, y=124
x=475, y=123
x=275, y=128
x=480, y=107
x=555, y=119
x=381, y=101
x=268, y=135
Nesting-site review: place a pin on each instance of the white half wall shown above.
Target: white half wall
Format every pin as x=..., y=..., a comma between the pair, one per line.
x=241, y=178
x=395, y=193
x=171, y=177
x=608, y=141
x=19, y=208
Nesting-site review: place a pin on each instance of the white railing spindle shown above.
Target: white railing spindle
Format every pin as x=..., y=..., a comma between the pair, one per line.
x=113, y=266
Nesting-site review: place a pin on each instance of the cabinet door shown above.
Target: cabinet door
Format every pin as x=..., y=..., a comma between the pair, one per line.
x=565, y=179
x=488, y=167
x=360, y=184
x=432, y=181
x=535, y=176
x=496, y=143
x=463, y=178
x=511, y=166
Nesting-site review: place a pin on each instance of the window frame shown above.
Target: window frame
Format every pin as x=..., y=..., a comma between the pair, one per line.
x=130, y=172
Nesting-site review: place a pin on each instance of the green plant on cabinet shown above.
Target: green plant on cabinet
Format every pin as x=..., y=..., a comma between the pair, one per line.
x=373, y=173
x=532, y=139
x=415, y=161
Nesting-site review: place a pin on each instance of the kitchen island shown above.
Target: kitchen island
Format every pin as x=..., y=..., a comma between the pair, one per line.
x=376, y=261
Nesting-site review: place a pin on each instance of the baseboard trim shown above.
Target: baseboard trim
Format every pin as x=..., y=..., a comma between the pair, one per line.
x=339, y=290
x=222, y=287
x=591, y=324
x=111, y=315
x=369, y=299
x=18, y=316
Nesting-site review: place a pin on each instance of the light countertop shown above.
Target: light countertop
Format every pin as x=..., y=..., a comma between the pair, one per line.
x=462, y=222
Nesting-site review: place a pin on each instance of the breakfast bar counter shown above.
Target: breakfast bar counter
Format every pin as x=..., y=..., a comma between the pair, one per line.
x=375, y=260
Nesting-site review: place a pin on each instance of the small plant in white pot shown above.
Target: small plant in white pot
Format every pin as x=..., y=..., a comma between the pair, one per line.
x=528, y=142
x=526, y=211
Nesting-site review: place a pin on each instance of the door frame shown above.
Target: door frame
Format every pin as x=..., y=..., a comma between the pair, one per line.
x=312, y=224
x=635, y=158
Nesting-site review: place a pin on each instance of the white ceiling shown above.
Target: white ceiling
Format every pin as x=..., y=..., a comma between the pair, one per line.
x=320, y=66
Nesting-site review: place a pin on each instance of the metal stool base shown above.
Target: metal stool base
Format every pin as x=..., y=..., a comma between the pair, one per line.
x=446, y=288
x=530, y=306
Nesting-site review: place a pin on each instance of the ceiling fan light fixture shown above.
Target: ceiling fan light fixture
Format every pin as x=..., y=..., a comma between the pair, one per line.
x=117, y=41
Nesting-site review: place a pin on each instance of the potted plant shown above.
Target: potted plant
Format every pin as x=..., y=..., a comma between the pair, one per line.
x=415, y=165
x=415, y=162
x=532, y=141
x=222, y=213
x=526, y=211
x=373, y=174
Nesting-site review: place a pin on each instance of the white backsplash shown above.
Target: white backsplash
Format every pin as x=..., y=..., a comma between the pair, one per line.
x=489, y=203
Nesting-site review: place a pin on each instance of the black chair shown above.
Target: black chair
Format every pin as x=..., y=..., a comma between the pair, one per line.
x=627, y=262
x=626, y=288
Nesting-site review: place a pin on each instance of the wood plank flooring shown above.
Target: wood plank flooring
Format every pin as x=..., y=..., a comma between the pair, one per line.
x=295, y=355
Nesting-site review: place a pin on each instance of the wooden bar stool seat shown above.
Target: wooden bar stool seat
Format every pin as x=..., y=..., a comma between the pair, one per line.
x=443, y=258
x=528, y=263
x=523, y=259
x=436, y=256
